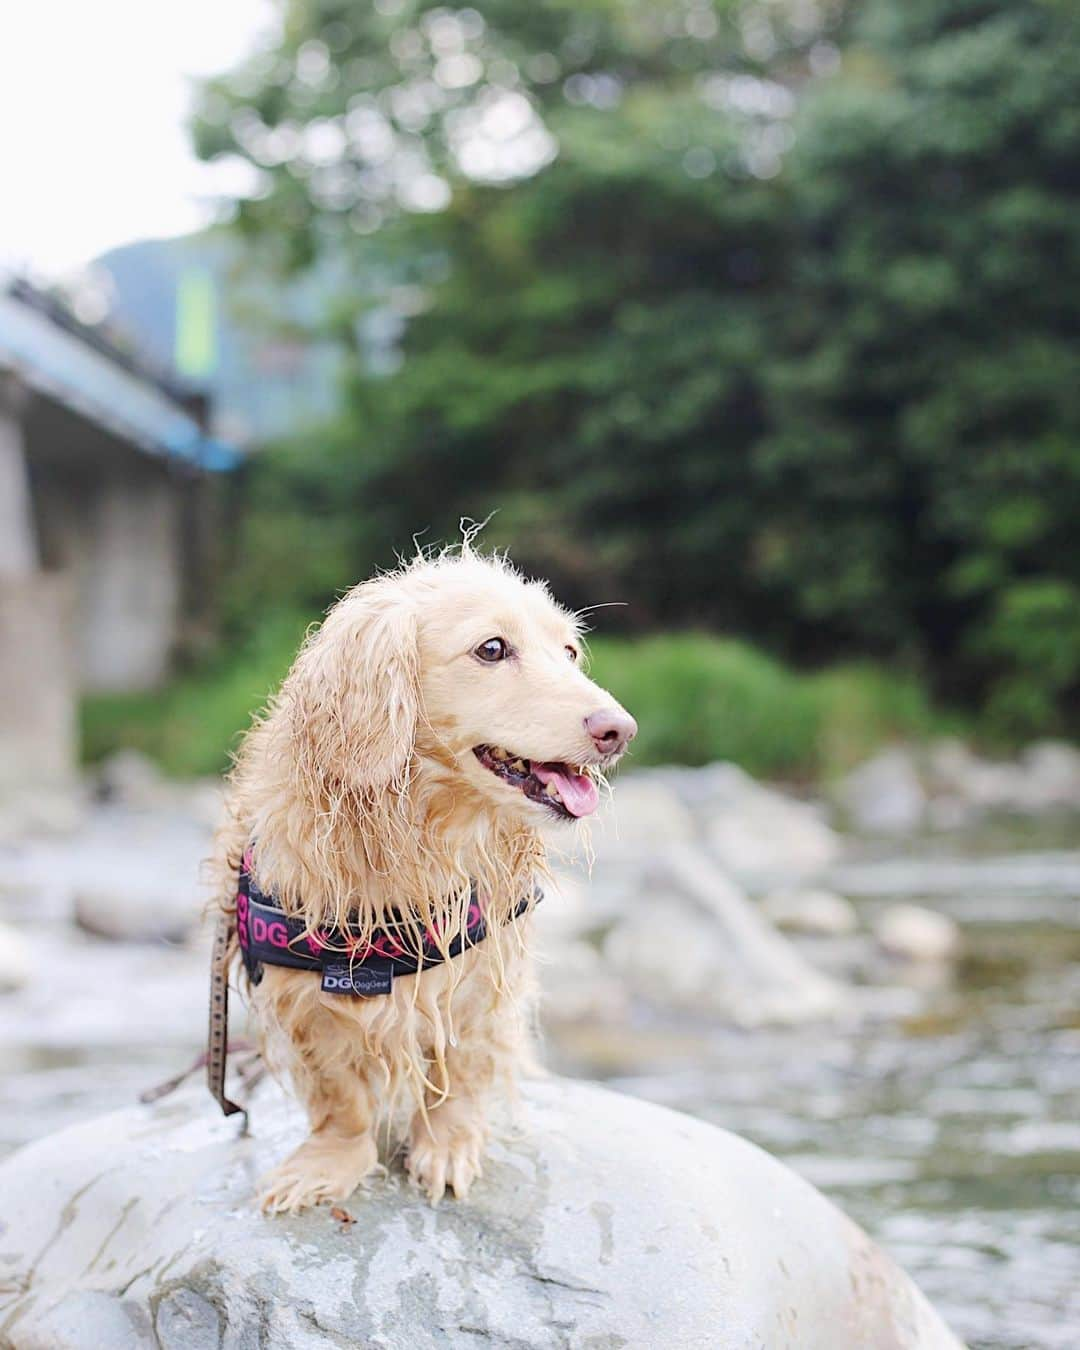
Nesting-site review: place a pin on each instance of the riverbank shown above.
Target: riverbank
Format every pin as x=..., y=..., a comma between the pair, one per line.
x=930, y=1094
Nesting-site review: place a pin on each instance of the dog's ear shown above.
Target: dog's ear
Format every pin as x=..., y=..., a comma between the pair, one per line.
x=354, y=692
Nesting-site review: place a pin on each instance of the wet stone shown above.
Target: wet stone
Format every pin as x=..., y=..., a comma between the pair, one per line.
x=600, y=1221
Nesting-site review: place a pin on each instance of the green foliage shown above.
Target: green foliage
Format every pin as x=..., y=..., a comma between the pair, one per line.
x=774, y=333
x=193, y=725
x=1035, y=632
x=697, y=699
x=863, y=707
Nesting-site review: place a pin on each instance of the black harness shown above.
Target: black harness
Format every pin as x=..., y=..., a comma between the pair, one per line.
x=349, y=962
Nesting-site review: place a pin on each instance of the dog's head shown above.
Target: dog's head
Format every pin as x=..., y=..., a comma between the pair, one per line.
x=460, y=662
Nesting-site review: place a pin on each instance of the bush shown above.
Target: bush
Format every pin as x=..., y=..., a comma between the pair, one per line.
x=699, y=698
x=192, y=726
x=1034, y=634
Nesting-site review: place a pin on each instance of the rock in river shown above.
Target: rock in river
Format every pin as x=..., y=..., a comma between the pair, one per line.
x=817, y=913
x=759, y=836
x=884, y=795
x=694, y=940
x=601, y=1222
x=15, y=959
x=914, y=933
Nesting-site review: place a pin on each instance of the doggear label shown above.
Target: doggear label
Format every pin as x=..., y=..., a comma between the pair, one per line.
x=365, y=980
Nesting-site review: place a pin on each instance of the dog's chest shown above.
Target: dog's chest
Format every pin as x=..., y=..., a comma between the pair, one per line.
x=483, y=993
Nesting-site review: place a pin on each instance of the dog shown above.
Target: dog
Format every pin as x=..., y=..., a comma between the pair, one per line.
x=400, y=781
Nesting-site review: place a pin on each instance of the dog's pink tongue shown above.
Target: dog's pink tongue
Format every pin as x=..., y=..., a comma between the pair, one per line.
x=577, y=791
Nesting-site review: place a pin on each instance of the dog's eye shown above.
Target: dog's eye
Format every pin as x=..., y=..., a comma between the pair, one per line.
x=572, y=653
x=494, y=649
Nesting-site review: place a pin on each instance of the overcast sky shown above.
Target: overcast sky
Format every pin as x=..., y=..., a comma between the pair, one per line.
x=93, y=100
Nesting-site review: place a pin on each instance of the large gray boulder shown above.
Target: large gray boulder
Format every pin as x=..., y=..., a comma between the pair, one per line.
x=884, y=795
x=1046, y=777
x=601, y=1222
x=694, y=940
x=758, y=836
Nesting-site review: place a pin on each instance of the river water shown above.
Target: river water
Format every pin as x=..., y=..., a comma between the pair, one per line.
x=945, y=1119
x=948, y=1124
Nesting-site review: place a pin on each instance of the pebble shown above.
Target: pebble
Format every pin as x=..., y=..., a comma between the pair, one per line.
x=914, y=933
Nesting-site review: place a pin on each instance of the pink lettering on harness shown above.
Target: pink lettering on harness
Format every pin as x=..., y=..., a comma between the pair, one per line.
x=320, y=940
x=242, y=918
x=385, y=945
x=275, y=933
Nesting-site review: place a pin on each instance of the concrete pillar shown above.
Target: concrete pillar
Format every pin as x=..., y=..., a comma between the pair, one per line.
x=129, y=581
x=38, y=722
x=18, y=543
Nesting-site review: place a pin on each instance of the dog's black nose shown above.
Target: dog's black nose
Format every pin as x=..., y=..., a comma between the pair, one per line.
x=611, y=730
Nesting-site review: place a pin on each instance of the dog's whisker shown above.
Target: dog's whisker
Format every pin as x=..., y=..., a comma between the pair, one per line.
x=604, y=604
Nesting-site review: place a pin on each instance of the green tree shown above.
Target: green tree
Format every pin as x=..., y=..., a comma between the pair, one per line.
x=924, y=414
x=761, y=316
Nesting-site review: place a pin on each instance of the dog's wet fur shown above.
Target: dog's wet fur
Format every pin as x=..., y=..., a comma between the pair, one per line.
x=397, y=765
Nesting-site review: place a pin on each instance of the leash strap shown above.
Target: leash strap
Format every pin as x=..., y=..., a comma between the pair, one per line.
x=217, y=1049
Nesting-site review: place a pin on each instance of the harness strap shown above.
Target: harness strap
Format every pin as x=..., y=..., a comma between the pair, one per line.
x=217, y=1049
x=349, y=965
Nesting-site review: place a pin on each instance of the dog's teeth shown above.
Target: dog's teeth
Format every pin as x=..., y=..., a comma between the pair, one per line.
x=499, y=754
x=519, y=766
x=549, y=788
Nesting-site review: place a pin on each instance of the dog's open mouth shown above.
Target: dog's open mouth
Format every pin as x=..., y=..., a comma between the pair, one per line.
x=566, y=789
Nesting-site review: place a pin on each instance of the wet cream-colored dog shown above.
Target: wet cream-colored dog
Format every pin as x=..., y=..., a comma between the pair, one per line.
x=427, y=730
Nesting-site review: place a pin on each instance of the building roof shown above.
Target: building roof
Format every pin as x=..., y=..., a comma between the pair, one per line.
x=51, y=352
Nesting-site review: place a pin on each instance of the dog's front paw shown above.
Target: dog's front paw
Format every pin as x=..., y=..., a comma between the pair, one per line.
x=445, y=1153
x=320, y=1170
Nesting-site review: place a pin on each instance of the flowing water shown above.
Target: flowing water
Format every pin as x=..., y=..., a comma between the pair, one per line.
x=945, y=1120
x=948, y=1124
